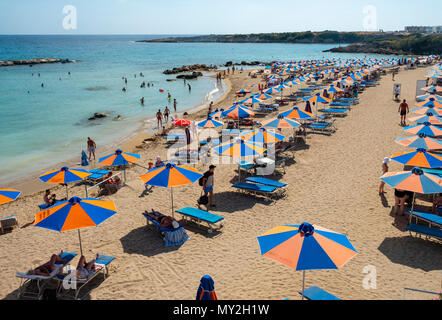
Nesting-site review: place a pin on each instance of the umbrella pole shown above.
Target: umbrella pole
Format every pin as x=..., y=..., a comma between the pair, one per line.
x=79, y=238
x=412, y=206
x=303, y=283
x=171, y=197
x=124, y=174
x=67, y=192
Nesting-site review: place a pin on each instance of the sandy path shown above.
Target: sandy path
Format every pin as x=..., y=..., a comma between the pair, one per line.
x=332, y=184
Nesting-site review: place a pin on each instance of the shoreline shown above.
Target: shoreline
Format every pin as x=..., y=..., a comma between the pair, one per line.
x=30, y=185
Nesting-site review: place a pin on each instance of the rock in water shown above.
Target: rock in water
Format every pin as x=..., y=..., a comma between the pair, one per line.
x=98, y=115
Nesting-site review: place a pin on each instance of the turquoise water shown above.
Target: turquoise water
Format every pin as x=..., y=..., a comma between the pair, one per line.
x=41, y=127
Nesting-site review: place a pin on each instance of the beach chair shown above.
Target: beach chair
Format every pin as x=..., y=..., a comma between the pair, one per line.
x=101, y=267
x=280, y=186
x=213, y=221
x=428, y=232
x=335, y=112
x=316, y=293
x=170, y=236
x=323, y=126
x=40, y=281
x=97, y=175
x=430, y=218
x=267, y=192
x=45, y=206
x=341, y=105
x=8, y=223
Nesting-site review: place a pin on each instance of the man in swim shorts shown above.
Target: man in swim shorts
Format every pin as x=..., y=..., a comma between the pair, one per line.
x=91, y=146
x=403, y=110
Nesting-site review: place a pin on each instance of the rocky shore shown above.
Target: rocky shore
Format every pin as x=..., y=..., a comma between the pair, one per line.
x=30, y=62
x=366, y=48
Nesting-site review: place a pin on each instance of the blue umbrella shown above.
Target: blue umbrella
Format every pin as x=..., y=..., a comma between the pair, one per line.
x=206, y=289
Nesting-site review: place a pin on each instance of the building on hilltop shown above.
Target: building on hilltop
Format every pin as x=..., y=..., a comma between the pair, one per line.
x=423, y=29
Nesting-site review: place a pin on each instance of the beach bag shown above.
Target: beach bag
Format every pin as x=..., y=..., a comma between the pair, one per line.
x=203, y=200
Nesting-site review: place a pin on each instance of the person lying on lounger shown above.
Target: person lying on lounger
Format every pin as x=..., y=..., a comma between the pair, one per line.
x=437, y=203
x=112, y=184
x=164, y=221
x=46, y=268
x=50, y=199
x=84, y=269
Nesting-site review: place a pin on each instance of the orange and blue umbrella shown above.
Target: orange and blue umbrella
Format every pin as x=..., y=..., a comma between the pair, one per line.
x=262, y=135
x=169, y=176
x=74, y=214
x=317, y=98
x=297, y=114
x=306, y=247
x=64, y=175
x=415, y=180
x=209, y=123
x=272, y=90
x=218, y=114
x=119, y=158
x=418, y=158
x=426, y=128
x=431, y=102
x=263, y=96
x=427, y=97
x=206, y=289
x=239, y=148
x=238, y=111
x=424, y=110
x=332, y=88
x=432, y=89
x=251, y=100
x=7, y=195
x=428, y=117
x=281, y=122
x=242, y=91
x=420, y=141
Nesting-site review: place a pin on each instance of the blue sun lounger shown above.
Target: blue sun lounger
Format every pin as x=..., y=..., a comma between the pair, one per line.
x=316, y=293
x=426, y=231
x=340, y=104
x=26, y=279
x=45, y=206
x=256, y=189
x=335, y=111
x=213, y=221
x=102, y=263
x=280, y=186
x=425, y=216
x=171, y=236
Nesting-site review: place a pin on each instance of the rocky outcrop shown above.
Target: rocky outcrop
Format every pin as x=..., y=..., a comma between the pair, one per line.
x=194, y=67
x=193, y=75
x=7, y=63
x=366, y=48
x=98, y=115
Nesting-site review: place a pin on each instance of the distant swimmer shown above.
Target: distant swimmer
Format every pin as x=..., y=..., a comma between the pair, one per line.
x=141, y=74
x=169, y=97
x=69, y=73
x=142, y=101
x=125, y=80
x=38, y=75
x=42, y=85
x=124, y=89
x=190, y=88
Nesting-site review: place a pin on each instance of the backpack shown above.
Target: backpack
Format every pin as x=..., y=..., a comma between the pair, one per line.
x=204, y=200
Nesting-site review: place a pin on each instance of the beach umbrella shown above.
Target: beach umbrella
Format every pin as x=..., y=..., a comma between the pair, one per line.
x=419, y=158
x=317, y=98
x=65, y=175
x=119, y=158
x=209, y=123
x=297, y=114
x=432, y=89
x=272, y=90
x=239, y=148
x=169, y=176
x=420, y=141
x=332, y=88
x=428, y=97
x=262, y=135
x=428, y=117
x=206, y=289
x=7, y=195
x=424, y=110
x=218, y=114
x=74, y=214
x=431, y=102
x=238, y=111
x=263, y=96
x=306, y=247
x=251, y=100
x=426, y=128
x=242, y=91
x=281, y=122
x=415, y=180
x=181, y=122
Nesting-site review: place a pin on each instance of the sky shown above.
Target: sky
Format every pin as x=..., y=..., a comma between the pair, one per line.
x=212, y=16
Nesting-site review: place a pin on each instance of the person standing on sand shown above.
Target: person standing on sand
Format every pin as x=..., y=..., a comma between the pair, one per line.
x=400, y=197
x=159, y=119
x=403, y=110
x=91, y=146
x=166, y=114
x=384, y=171
x=208, y=183
x=174, y=104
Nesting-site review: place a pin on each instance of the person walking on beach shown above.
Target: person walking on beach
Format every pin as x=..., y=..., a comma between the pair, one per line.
x=208, y=183
x=174, y=104
x=159, y=119
x=403, y=110
x=166, y=114
x=400, y=197
x=91, y=146
x=384, y=171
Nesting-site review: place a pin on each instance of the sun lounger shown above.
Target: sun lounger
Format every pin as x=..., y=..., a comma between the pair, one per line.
x=45, y=206
x=280, y=186
x=170, y=138
x=316, y=293
x=322, y=126
x=433, y=171
x=431, y=218
x=426, y=231
x=213, y=221
x=256, y=189
x=335, y=111
x=341, y=104
x=27, y=279
x=101, y=266
x=8, y=223
x=97, y=175
x=171, y=236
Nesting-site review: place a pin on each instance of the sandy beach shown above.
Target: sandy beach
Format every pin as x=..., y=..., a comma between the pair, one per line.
x=333, y=182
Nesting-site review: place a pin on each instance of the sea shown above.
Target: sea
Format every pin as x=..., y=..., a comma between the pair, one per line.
x=41, y=127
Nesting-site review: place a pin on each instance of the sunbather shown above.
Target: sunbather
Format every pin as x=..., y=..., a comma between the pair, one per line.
x=47, y=268
x=112, y=184
x=164, y=221
x=437, y=203
x=84, y=269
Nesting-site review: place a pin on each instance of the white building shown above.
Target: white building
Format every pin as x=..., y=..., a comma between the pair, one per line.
x=423, y=29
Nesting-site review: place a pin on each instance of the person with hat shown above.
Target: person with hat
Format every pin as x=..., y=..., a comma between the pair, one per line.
x=208, y=183
x=384, y=171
